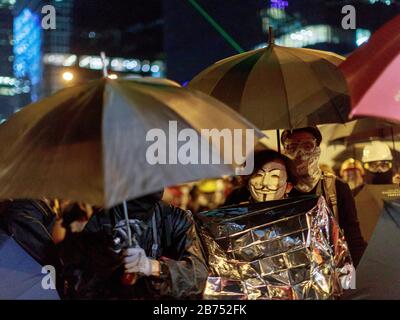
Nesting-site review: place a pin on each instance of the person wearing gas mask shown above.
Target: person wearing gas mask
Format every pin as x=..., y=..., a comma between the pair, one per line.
x=270, y=180
x=165, y=259
x=302, y=146
x=377, y=159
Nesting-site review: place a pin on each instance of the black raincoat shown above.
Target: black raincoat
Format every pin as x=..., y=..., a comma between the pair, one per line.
x=93, y=270
x=30, y=223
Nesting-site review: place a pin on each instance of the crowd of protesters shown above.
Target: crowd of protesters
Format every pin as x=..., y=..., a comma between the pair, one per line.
x=86, y=244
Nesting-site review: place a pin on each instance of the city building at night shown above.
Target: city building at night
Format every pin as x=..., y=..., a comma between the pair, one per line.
x=201, y=32
x=11, y=88
x=47, y=78
x=36, y=62
x=318, y=24
x=130, y=37
x=27, y=40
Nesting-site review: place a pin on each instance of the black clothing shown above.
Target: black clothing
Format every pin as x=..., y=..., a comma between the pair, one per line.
x=30, y=223
x=357, y=190
x=237, y=196
x=93, y=270
x=378, y=177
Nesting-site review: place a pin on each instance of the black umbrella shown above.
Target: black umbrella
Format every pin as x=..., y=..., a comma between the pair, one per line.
x=359, y=131
x=378, y=275
x=370, y=205
x=21, y=276
x=96, y=142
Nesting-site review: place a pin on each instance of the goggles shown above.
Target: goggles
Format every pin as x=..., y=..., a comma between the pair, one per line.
x=378, y=166
x=293, y=146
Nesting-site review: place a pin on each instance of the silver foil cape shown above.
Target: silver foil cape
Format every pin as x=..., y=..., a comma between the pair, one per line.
x=289, y=249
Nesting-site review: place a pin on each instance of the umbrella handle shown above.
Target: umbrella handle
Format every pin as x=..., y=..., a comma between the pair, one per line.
x=278, y=140
x=396, y=167
x=128, y=278
x=128, y=228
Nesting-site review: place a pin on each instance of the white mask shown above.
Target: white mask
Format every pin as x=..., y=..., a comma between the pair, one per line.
x=269, y=183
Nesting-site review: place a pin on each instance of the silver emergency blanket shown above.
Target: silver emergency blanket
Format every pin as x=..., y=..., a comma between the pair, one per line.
x=288, y=250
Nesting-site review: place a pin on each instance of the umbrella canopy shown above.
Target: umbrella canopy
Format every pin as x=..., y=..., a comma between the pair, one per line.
x=378, y=274
x=21, y=276
x=372, y=74
x=369, y=205
x=91, y=142
x=278, y=87
x=359, y=130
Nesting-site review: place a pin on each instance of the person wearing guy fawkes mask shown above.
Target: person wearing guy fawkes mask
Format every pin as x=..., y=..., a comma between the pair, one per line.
x=166, y=260
x=302, y=146
x=269, y=181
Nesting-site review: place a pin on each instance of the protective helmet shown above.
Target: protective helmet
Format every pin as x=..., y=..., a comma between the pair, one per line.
x=351, y=164
x=376, y=151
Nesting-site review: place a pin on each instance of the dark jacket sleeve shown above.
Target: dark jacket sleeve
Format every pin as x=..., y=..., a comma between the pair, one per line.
x=29, y=222
x=186, y=271
x=348, y=221
x=237, y=196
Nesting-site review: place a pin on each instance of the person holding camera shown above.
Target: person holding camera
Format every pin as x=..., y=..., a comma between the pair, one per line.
x=165, y=261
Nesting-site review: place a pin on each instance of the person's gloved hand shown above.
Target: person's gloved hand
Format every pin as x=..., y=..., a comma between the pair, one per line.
x=136, y=261
x=396, y=178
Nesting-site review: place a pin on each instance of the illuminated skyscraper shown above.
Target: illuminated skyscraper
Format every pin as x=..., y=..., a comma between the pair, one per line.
x=47, y=79
x=318, y=23
x=27, y=51
x=9, y=87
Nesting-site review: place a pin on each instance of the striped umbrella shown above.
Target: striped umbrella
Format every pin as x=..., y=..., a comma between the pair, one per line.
x=280, y=87
x=98, y=142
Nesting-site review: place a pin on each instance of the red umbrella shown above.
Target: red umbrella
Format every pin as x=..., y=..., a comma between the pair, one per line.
x=373, y=75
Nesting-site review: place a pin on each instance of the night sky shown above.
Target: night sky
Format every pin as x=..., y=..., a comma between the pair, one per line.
x=136, y=28
x=127, y=28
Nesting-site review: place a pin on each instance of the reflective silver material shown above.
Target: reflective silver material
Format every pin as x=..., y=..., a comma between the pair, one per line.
x=287, y=250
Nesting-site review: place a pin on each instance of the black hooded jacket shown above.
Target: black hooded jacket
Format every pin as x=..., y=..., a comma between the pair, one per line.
x=94, y=271
x=30, y=223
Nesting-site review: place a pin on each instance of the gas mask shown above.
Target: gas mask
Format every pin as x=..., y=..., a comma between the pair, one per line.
x=379, y=172
x=305, y=157
x=269, y=183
